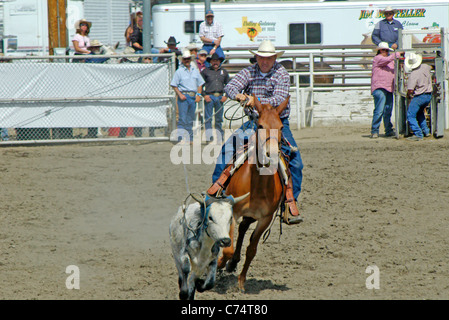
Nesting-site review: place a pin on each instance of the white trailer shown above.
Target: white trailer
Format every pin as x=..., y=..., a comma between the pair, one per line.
x=293, y=23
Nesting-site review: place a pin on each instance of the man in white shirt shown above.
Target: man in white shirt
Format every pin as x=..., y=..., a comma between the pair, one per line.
x=211, y=33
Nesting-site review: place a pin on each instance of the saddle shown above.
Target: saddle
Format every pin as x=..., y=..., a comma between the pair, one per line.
x=289, y=205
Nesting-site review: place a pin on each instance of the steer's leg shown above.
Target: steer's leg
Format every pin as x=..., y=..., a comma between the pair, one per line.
x=183, y=265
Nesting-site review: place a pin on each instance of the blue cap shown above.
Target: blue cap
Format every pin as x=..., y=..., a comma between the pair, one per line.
x=209, y=12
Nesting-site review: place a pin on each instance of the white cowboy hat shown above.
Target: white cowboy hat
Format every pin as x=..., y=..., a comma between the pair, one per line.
x=77, y=23
x=185, y=55
x=383, y=45
x=266, y=49
x=412, y=60
x=389, y=9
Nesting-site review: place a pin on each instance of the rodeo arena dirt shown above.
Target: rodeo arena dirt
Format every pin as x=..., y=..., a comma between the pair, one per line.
x=106, y=209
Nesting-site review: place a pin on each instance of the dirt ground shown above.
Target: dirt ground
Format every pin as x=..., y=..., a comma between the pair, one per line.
x=106, y=209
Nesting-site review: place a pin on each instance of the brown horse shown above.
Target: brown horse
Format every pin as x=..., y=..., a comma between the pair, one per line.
x=266, y=191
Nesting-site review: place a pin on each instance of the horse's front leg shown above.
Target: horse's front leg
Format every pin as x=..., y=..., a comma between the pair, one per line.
x=227, y=252
x=243, y=227
x=251, y=250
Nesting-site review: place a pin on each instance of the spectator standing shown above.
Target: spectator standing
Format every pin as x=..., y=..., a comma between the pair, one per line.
x=187, y=83
x=215, y=78
x=419, y=90
x=387, y=29
x=201, y=60
x=211, y=34
x=382, y=86
x=81, y=41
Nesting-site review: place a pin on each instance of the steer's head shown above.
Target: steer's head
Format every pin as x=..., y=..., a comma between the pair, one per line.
x=219, y=217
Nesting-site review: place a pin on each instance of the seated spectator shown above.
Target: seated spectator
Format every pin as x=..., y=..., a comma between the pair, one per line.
x=136, y=37
x=171, y=47
x=95, y=49
x=81, y=40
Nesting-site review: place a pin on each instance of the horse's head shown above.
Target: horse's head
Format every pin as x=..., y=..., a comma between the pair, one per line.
x=269, y=132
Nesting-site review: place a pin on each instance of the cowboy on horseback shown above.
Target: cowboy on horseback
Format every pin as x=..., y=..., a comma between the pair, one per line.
x=269, y=81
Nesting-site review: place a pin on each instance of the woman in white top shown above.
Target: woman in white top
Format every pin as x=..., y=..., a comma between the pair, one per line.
x=81, y=41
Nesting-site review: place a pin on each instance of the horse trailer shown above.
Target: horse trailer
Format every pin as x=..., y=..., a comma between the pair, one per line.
x=246, y=24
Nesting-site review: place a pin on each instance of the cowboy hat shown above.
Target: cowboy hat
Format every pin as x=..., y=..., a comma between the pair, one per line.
x=95, y=43
x=78, y=23
x=383, y=45
x=412, y=60
x=185, y=55
x=215, y=57
x=389, y=9
x=192, y=46
x=171, y=40
x=266, y=49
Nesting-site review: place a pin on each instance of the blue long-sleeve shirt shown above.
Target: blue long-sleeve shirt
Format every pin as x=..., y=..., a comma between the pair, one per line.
x=385, y=31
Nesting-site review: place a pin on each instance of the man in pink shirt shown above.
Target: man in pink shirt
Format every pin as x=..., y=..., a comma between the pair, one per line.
x=382, y=86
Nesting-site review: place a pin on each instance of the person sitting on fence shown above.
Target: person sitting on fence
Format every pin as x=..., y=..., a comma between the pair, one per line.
x=95, y=49
x=81, y=41
x=211, y=33
x=171, y=47
x=136, y=37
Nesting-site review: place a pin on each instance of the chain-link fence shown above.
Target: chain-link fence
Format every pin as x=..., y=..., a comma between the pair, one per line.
x=86, y=97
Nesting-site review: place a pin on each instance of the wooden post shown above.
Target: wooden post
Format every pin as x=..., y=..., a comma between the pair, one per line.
x=57, y=29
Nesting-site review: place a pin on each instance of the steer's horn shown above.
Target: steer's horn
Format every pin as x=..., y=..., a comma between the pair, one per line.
x=238, y=199
x=198, y=198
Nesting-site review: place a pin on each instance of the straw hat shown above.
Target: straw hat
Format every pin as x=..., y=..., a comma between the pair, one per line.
x=266, y=49
x=77, y=23
x=383, y=45
x=192, y=46
x=95, y=43
x=412, y=60
x=389, y=9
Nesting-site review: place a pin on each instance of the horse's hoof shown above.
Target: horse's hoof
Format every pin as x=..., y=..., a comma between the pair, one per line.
x=231, y=266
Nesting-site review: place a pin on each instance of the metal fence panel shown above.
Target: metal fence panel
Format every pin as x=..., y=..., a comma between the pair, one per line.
x=41, y=99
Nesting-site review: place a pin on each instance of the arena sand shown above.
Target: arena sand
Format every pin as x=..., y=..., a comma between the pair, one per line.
x=106, y=209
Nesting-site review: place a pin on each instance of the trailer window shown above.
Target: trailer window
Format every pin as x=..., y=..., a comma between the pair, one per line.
x=305, y=33
x=188, y=26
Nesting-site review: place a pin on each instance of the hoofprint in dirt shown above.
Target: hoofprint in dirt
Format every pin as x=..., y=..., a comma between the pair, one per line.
x=106, y=209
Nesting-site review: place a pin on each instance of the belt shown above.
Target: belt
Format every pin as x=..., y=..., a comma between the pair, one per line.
x=215, y=94
x=190, y=93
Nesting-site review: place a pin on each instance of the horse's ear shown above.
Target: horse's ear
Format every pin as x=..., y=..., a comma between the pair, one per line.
x=257, y=104
x=283, y=105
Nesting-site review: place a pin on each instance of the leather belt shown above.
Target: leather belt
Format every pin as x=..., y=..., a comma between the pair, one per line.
x=190, y=93
x=215, y=94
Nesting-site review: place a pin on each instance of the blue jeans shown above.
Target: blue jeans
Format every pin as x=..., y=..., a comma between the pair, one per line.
x=383, y=107
x=208, y=48
x=186, y=116
x=239, y=138
x=415, y=114
x=210, y=107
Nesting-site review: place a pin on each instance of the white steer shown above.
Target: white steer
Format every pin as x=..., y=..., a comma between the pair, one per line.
x=196, y=235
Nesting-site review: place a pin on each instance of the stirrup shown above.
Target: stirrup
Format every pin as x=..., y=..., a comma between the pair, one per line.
x=291, y=213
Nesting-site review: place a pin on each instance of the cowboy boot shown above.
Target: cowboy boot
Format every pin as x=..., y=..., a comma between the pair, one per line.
x=291, y=213
x=220, y=183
